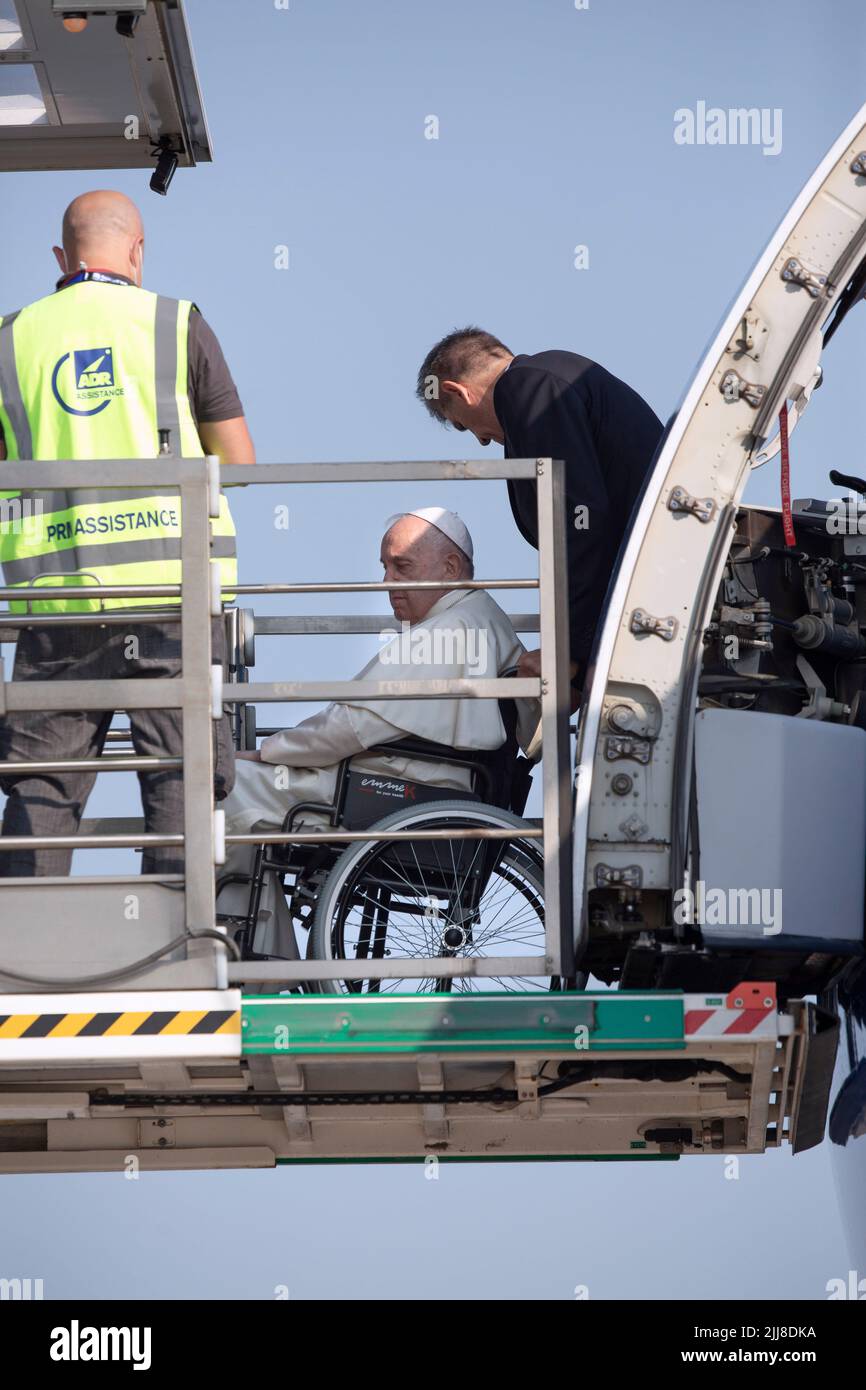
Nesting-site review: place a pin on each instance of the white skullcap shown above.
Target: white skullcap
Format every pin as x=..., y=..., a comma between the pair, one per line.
x=448, y=523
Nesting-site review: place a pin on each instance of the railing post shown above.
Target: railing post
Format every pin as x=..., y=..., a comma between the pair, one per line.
x=555, y=714
x=198, y=725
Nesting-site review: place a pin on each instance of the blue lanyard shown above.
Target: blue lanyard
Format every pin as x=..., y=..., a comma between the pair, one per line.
x=103, y=277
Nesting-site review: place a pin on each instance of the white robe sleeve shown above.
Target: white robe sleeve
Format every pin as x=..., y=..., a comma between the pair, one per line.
x=328, y=737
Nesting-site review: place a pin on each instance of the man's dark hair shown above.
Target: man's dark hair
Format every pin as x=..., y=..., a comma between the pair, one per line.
x=454, y=358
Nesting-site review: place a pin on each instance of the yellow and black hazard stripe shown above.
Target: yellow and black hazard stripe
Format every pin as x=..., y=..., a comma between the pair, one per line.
x=151, y=1023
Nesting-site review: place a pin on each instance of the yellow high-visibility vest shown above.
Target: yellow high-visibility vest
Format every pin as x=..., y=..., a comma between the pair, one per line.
x=96, y=371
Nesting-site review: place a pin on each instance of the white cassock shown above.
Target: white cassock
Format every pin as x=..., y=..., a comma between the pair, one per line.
x=466, y=634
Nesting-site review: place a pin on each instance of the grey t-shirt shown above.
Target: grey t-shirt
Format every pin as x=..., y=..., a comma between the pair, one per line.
x=213, y=395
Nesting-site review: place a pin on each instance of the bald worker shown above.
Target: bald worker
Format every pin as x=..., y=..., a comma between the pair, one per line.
x=104, y=369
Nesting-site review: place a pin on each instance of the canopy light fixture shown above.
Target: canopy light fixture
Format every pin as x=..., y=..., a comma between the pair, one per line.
x=122, y=93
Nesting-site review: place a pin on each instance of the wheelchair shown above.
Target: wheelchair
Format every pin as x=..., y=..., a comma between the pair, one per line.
x=446, y=897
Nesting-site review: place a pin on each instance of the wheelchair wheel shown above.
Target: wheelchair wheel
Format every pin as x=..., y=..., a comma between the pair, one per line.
x=425, y=898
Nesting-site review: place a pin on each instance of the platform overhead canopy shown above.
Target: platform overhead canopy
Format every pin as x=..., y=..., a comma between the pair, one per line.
x=97, y=86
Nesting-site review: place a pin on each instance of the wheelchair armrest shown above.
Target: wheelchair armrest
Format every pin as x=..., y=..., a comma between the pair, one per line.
x=425, y=748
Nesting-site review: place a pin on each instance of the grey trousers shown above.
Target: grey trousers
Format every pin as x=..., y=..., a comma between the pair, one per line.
x=53, y=803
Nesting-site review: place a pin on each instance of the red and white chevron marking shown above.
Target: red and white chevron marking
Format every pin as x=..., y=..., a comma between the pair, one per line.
x=749, y=1011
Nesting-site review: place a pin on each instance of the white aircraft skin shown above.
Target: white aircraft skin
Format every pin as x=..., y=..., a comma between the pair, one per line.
x=672, y=568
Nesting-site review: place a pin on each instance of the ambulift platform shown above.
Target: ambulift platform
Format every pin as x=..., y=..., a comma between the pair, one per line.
x=215, y=1079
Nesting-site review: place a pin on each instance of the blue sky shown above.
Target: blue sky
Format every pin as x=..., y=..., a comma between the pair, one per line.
x=555, y=130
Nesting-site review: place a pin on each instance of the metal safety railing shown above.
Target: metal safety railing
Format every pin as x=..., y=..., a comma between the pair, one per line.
x=202, y=693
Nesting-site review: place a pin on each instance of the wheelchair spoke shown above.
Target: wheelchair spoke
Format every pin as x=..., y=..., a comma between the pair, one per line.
x=396, y=932
x=507, y=931
x=408, y=946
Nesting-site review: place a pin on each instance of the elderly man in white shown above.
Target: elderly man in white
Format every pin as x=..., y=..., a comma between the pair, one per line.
x=445, y=634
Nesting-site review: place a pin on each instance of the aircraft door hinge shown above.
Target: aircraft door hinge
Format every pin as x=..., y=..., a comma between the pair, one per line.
x=636, y=748
x=607, y=876
x=735, y=388
x=796, y=273
x=643, y=624
x=682, y=501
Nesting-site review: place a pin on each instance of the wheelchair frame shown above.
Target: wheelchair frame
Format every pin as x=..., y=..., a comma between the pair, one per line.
x=500, y=777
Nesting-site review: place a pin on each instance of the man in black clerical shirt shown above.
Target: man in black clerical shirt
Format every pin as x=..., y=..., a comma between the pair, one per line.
x=553, y=405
